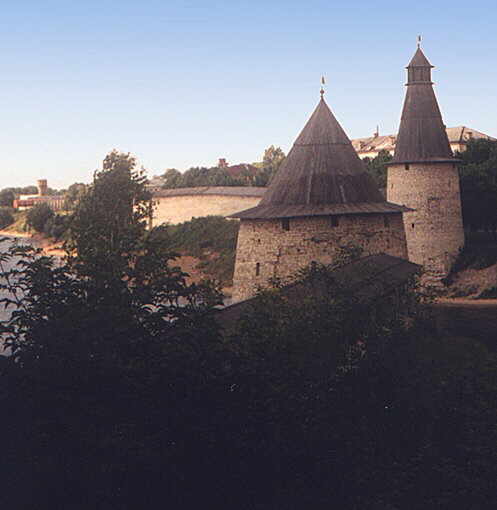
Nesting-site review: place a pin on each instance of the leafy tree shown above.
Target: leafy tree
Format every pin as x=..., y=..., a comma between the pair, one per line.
x=172, y=178
x=271, y=161
x=74, y=194
x=38, y=216
x=478, y=180
x=110, y=220
x=112, y=345
x=57, y=226
x=377, y=167
x=6, y=217
x=7, y=196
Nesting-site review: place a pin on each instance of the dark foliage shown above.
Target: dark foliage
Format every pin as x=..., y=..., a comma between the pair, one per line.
x=6, y=217
x=38, y=216
x=7, y=197
x=478, y=173
x=202, y=176
x=122, y=394
x=57, y=227
x=377, y=167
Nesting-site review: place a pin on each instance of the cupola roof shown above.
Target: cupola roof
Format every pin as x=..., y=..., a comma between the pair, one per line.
x=322, y=175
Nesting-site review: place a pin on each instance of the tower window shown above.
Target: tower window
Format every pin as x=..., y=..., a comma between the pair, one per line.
x=334, y=221
x=285, y=223
x=406, y=166
x=257, y=269
x=386, y=221
x=412, y=225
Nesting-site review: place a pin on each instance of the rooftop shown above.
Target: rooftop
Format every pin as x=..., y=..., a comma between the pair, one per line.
x=456, y=135
x=321, y=175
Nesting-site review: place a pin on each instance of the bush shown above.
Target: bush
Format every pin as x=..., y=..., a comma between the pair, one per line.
x=57, y=226
x=6, y=217
x=490, y=293
x=38, y=216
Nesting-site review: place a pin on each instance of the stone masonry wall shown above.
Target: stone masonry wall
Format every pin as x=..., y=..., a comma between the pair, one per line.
x=265, y=250
x=434, y=231
x=177, y=209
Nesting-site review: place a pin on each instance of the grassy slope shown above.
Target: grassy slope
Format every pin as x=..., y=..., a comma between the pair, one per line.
x=211, y=240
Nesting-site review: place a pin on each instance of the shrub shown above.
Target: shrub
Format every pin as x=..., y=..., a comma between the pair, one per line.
x=56, y=226
x=6, y=217
x=490, y=293
x=38, y=216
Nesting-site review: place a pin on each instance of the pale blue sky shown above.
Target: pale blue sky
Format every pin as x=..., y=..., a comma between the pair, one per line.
x=180, y=84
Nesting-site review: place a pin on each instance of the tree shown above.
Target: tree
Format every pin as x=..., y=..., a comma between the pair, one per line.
x=38, y=215
x=7, y=197
x=377, y=167
x=110, y=343
x=74, y=194
x=271, y=161
x=478, y=174
x=6, y=217
x=172, y=178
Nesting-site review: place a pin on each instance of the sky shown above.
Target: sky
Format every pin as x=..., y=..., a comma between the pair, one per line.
x=184, y=83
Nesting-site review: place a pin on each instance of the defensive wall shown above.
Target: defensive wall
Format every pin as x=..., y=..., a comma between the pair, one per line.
x=277, y=249
x=182, y=204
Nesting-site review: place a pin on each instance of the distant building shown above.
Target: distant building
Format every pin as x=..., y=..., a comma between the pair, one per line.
x=55, y=202
x=458, y=140
x=155, y=183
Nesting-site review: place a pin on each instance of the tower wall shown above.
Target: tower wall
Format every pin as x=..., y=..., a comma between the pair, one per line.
x=42, y=186
x=265, y=250
x=434, y=231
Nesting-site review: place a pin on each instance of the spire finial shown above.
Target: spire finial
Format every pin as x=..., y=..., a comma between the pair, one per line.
x=419, y=41
x=322, y=87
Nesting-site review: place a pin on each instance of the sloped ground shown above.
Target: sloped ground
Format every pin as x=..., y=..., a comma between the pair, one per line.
x=474, y=283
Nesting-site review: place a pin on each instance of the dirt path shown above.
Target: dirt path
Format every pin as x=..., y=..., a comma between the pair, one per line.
x=465, y=302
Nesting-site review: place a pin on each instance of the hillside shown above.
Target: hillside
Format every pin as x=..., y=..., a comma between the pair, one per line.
x=207, y=246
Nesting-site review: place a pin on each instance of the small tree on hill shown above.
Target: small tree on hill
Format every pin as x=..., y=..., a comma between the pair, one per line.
x=377, y=167
x=7, y=196
x=38, y=215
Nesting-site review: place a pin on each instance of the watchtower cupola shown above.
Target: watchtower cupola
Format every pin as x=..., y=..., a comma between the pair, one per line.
x=419, y=69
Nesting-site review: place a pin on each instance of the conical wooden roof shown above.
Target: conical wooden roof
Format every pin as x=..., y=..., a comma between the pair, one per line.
x=322, y=175
x=422, y=135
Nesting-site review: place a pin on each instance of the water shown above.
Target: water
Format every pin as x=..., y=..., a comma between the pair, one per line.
x=5, y=313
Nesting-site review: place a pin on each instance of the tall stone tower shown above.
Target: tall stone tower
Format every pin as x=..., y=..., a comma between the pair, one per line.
x=321, y=199
x=423, y=176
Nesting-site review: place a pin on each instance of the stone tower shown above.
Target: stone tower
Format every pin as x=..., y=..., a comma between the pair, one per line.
x=423, y=176
x=321, y=199
x=42, y=186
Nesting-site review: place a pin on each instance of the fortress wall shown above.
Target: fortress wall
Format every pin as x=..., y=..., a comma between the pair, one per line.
x=177, y=209
x=265, y=248
x=434, y=231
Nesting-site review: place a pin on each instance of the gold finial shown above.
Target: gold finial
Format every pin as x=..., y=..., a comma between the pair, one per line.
x=419, y=41
x=322, y=87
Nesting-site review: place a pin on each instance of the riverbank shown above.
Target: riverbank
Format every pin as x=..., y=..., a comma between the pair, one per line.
x=47, y=245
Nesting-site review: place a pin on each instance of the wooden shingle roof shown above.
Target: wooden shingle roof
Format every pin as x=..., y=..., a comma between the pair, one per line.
x=322, y=174
x=422, y=135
